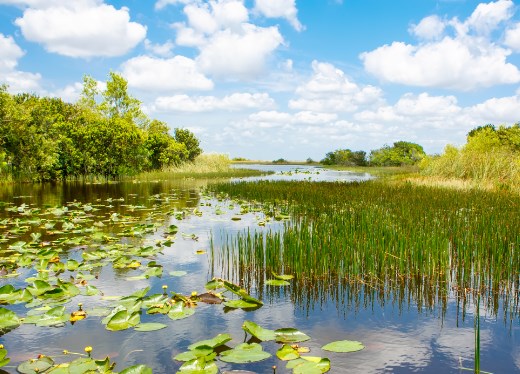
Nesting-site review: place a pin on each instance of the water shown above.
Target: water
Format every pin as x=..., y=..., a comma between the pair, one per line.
x=400, y=336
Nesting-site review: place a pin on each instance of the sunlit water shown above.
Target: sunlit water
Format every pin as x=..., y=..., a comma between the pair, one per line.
x=399, y=335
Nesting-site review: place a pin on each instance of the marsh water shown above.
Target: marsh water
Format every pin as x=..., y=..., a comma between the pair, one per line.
x=400, y=334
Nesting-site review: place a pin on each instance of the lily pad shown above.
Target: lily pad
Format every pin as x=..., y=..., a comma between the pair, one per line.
x=199, y=366
x=287, y=353
x=152, y=326
x=35, y=366
x=137, y=369
x=3, y=359
x=309, y=365
x=344, y=346
x=277, y=282
x=245, y=353
x=179, y=311
x=123, y=320
x=199, y=351
x=217, y=341
x=8, y=320
x=290, y=335
x=258, y=331
x=240, y=304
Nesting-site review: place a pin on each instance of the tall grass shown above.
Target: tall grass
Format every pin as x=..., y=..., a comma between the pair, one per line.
x=206, y=165
x=498, y=166
x=412, y=242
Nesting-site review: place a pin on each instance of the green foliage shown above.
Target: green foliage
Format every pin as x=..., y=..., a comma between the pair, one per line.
x=400, y=154
x=345, y=157
x=490, y=156
x=105, y=134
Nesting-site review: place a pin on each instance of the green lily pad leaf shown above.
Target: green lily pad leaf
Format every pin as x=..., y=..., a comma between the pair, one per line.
x=241, y=292
x=82, y=365
x=172, y=229
x=240, y=304
x=309, y=365
x=98, y=312
x=137, y=369
x=285, y=277
x=217, y=341
x=145, y=327
x=199, y=366
x=39, y=287
x=214, y=284
x=156, y=299
x=35, y=366
x=287, y=353
x=343, y=346
x=200, y=351
x=4, y=360
x=290, y=335
x=277, y=282
x=258, y=331
x=54, y=317
x=8, y=320
x=89, y=290
x=244, y=353
x=178, y=273
x=6, y=293
x=123, y=320
x=179, y=311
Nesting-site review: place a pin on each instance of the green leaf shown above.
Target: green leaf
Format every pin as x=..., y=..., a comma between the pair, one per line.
x=287, y=353
x=137, y=369
x=277, y=282
x=214, y=284
x=258, y=331
x=179, y=311
x=145, y=327
x=8, y=320
x=290, y=335
x=82, y=365
x=217, y=341
x=123, y=320
x=39, y=287
x=244, y=353
x=199, y=366
x=282, y=276
x=35, y=366
x=240, y=304
x=199, y=351
x=4, y=360
x=309, y=365
x=343, y=346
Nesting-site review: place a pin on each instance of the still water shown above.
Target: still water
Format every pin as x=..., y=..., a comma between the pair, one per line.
x=399, y=335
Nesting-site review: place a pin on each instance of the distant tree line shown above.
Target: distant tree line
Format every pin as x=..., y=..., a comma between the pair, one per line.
x=401, y=153
x=104, y=134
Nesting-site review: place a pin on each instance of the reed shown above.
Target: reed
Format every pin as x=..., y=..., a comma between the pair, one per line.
x=409, y=241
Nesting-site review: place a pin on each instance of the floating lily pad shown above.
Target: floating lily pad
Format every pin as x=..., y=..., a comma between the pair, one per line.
x=309, y=365
x=199, y=351
x=240, y=304
x=199, y=366
x=258, y=331
x=123, y=320
x=285, y=277
x=3, y=359
x=217, y=341
x=277, y=282
x=290, y=335
x=344, y=346
x=8, y=320
x=287, y=353
x=145, y=327
x=137, y=369
x=179, y=311
x=35, y=366
x=245, y=353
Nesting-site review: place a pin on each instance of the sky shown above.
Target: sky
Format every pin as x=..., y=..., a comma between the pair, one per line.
x=269, y=79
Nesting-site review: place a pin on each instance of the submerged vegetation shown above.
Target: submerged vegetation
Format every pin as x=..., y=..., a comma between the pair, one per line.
x=104, y=134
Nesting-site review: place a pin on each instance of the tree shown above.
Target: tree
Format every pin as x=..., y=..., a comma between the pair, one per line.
x=401, y=153
x=345, y=157
x=163, y=149
x=186, y=137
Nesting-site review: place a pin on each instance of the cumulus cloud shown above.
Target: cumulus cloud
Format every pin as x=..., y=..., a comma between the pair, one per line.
x=498, y=110
x=281, y=118
x=512, y=38
x=158, y=74
x=330, y=90
x=233, y=102
x=466, y=61
x=242, y=55
x=280, y=9
x=18, y=81
x=81, y=29
x=162, y=50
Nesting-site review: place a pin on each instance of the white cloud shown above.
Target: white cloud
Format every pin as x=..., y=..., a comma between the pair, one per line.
x=44, y=4
x=163, y=3
x=512, y=38
x=18, y=81
x=498, y=110
x=466, y=61
x=281, y=118
x=162, y=50
x=239, y=55
x=157, y=74
x=233, y=102
x=330, y=90
x=83, y=29
x=429, y=28
x=280, y=9
x=70, y=93
x=487, y=17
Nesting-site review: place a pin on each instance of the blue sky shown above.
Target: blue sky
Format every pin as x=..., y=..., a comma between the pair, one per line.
x=265, y=79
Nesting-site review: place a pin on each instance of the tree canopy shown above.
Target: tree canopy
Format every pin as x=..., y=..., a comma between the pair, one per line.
x=105, y=133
